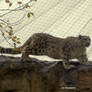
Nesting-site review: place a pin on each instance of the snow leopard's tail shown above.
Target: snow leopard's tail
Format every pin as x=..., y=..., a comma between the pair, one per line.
x=10, y=50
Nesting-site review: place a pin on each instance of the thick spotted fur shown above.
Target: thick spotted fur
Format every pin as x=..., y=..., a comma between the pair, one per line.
x=54, y=47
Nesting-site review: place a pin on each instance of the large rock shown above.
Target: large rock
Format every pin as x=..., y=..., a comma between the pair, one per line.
x=41, y=76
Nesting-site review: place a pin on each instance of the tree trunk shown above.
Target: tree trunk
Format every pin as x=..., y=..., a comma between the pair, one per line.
x=42, y=76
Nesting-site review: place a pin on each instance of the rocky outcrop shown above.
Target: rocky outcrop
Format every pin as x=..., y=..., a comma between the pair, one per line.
x=42, y=76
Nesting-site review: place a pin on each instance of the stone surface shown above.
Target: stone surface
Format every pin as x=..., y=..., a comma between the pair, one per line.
x=42, y=76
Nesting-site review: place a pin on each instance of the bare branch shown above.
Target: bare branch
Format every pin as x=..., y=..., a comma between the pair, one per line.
x=6, y=39
x=4, y=21
x=9, y=25
x=16, y=9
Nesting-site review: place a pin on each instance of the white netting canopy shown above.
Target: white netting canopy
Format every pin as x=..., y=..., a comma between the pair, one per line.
x=59, y=18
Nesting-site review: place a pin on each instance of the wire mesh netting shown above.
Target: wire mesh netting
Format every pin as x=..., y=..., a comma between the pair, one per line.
x=60, y=18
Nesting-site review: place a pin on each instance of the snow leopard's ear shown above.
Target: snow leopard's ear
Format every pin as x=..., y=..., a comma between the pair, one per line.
x=80, y=37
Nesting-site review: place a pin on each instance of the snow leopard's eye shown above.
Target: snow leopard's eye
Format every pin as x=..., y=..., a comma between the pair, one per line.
x=87, y=41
